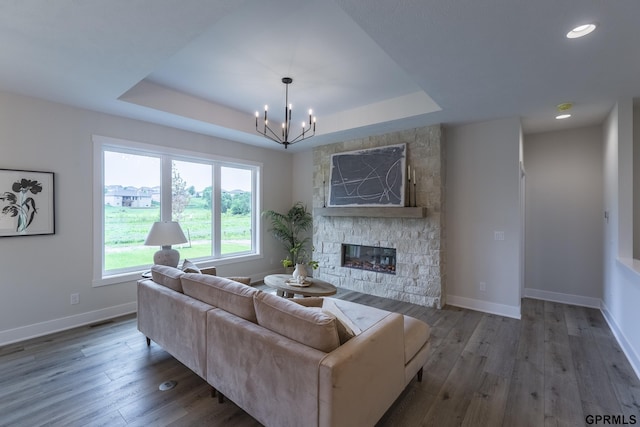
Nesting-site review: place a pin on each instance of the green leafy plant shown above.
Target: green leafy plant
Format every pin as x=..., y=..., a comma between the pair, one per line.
x=286, y=263
x=19, y=204
x=287, y=228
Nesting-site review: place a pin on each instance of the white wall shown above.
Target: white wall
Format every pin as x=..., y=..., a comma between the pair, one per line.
x=564, y=214
x=40, y=272
x=621, y=295
x=636, y=179
x=482, y=196
x=302, y=178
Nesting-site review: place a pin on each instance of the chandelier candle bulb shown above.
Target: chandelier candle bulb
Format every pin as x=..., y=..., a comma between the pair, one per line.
x=415, y=189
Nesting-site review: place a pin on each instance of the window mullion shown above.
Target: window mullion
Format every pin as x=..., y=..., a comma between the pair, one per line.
x=165, y=189
x=254, y=209
x=217, y=215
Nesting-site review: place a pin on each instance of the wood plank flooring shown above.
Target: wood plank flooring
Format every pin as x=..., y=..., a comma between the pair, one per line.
x=554, y=367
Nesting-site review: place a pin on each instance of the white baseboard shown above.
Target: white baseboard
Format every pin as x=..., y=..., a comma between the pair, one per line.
x=484, y=306
x=49, y=327
x=627, y=348
x=562, y=298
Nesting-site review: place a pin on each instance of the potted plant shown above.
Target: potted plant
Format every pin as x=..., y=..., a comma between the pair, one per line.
x=289, y=228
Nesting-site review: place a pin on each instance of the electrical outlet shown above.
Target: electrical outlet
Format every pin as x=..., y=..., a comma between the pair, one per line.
x=75, y=299
x=483, y=286
x=498, y=235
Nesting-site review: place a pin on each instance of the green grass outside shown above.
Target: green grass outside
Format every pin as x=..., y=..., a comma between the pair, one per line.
x=127, y=228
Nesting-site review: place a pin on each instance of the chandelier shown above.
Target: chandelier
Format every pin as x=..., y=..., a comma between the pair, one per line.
x=284, y=137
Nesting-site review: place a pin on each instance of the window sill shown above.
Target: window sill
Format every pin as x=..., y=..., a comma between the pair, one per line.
x=116, y=279
x=137, y=275
x=631, y=264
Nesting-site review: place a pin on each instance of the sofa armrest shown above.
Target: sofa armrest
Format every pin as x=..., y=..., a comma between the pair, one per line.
x=273, y=378
x=360, y=380
x=175, y=321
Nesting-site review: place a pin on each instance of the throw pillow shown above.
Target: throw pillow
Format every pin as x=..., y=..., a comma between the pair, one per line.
x=309, y=301
x=346, y=328
x=190, y=267
x=241, y=279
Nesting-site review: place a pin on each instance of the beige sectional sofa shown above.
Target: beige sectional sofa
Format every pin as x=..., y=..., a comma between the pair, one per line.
x=312, y=362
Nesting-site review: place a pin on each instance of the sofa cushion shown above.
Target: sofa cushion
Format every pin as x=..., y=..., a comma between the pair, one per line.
x=190, y=267
x=361, y=316
x=167, y=276
x=416, y=334
x=226, y=294
x=305, y=325
x=346, y=329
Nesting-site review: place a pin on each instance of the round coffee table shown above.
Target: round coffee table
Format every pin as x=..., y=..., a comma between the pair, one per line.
x=317, y=288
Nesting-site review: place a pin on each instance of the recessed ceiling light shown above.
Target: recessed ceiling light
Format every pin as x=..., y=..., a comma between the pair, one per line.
x=563, y=110
x=581, y=31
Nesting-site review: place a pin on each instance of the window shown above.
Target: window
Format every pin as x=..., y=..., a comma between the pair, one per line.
x=235, y=209
x=214, y=200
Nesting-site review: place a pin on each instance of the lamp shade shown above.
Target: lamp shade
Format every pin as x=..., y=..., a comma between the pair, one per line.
x=165, y=233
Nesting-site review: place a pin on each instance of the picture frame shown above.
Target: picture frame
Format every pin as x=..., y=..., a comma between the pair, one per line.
x=373, y=177
x=27, y=205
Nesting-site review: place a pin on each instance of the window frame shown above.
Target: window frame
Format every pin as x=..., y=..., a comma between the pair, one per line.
x=167, y=155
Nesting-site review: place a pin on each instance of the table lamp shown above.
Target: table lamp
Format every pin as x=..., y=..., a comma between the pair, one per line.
x=165, y=234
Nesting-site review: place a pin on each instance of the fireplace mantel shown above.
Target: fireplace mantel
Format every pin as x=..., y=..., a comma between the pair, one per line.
x=381, y=212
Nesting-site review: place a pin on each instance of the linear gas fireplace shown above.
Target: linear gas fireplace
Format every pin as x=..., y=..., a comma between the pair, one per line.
x=381, y=260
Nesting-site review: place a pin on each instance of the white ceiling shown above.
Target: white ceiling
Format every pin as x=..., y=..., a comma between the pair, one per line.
x=364, y=66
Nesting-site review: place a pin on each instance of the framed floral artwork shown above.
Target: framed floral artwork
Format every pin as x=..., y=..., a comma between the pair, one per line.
x=26, y=203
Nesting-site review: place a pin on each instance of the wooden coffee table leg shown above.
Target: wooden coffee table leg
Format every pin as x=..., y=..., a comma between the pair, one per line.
x=280, y=293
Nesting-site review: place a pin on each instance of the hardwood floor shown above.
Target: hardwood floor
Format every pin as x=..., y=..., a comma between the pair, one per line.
x=554, y=367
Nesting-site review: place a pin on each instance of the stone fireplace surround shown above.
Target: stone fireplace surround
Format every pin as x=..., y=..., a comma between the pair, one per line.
x=419, y=242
